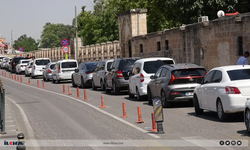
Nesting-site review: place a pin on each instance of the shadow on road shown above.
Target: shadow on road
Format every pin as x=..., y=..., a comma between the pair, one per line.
x=243, y=133
x=212, y=116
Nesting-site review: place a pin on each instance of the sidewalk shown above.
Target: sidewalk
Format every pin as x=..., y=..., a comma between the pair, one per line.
x=10, y=128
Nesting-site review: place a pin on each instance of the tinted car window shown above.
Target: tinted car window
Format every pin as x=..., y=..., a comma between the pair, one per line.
x=164, y=72
x=240, y=74
x=91, y=66
x=189, y=72
x=126, y=64
x=109, y=64
x=217, y=76
x=42, y=62
x=24, y=62
x=208, y=77
x=69, y=64
x=152, y=66
x=52, y=66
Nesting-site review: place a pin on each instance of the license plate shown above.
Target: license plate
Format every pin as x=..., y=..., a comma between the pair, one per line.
x=189, y=93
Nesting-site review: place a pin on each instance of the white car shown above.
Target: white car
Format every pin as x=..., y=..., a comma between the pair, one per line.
x=63, y=70
x=28, y=68
x=38, y=65
x=223, y=90
x=7, y=65
x=20, y=67
x=141, y=72
x=4, y=61
x=247, y=115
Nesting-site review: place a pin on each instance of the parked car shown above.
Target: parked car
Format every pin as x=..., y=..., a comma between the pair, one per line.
x=4, y=61
x=99, y=74
x=224, y=90
x=63, y=70
x=117, y=77
x=175, y=83
x=15, y=62
x=28, y=69
x=38, y=65
x=47, y=73
x=20, y=67
x=247, y=115
x=83, y=74
x=141, y=72
x=1, y=60
x=7, y=65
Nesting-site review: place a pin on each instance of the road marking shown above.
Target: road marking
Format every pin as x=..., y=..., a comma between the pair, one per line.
x=92, y=106
x=26, y=121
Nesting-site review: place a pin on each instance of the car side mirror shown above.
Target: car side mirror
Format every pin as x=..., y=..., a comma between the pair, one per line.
x=43, y=68
x=201, y=81
x=76, y=70
x=153, y=77
x=109, y=69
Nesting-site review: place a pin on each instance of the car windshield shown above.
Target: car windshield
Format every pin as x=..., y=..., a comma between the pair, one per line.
x=240, y=74
x=153, y=66
x=109, y=64
x=52, y=66
x=69, y=64
x=127, y=64
x=91, y=66
x=189, y=72
x=42, y=62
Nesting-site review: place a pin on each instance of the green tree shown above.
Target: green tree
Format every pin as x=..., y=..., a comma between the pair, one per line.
x=53, y=34
x=28, y=43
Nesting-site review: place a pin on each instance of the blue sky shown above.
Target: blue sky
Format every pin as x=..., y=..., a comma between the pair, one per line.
x=29, y=16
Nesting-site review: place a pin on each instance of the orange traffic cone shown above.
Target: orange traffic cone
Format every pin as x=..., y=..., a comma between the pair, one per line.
x=124, y=110
x=139, y=115
x=77, y=89
x=43, y=85
x=69, y=90
x=63, y=88
x=103, y=106
x=153, y=122
x=29, y=82
x=85, y=95
x=37, y=83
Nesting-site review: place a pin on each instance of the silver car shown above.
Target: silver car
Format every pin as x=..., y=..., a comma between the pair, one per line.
x=83, y=74
x=47, y=73
x=28, y=68
x=99, y=74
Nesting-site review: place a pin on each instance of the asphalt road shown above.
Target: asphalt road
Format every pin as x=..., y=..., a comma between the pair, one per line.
x=54, y=115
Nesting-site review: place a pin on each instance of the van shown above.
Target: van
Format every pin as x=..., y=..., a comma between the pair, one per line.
x=63, y=70
x=38, y=65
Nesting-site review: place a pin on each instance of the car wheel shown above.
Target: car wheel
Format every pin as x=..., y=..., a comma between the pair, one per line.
x=196, y=104
x=149, y=97
x=44, y=79
x=138, y=95
x=115, y=89
x=164, y=101
x=102, y=85
x=83, y=84
x=220, y=112
x=107, y=89
x=130, y=94
x=93, y=85
x=73, y=83
x=247, y=120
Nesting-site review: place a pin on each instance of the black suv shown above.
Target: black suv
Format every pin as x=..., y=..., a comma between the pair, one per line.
x=14, y=63
x=175, y=82
x=117, y=77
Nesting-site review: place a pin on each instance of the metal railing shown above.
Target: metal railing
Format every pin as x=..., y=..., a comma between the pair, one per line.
x=2, y=108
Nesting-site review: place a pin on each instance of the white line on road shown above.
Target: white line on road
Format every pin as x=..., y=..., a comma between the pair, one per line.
x=26, y=121
x=94, y=107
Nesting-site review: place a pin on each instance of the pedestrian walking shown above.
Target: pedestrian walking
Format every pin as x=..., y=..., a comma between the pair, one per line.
x=243, y=59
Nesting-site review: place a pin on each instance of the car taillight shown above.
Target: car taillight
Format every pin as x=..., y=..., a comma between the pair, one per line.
x=29, y=67
x=14, y=63
x=34, y=67
x=88, y=72
x=119, y=74
x=232, y=90
x=59, y=70
x=174, y=93
x=21, y=66
x=141, y=77
x=171, y=80
x=49, y=71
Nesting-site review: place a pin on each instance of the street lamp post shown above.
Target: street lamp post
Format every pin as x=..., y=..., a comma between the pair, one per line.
x=76, y=55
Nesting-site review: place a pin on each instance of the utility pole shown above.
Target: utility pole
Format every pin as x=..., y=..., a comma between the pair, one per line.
x=76, y=55
x=11, y=42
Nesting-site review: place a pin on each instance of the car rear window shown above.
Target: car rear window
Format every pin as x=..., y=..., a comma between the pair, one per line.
x=69, y=64
x=52, y=66
x=25, y=62
x=109, y=64
x=240, y=74
x=91, y=66
x=189, y=72
x=127, y=64
x=42, y=62
x=153, y=66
